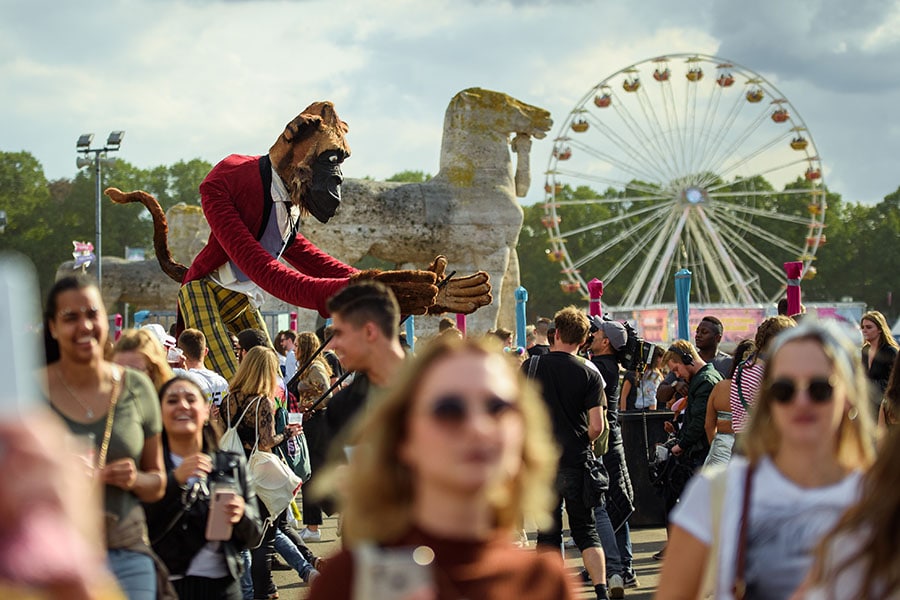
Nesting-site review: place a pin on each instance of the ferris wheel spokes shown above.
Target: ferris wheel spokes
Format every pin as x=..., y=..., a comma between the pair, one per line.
x=716, y=161
x=607, y=181
x=658, y=155
x=667, y=233
x=616, y=200
x=610, y=221
x=662, y=266
x=787, y=218
x=743, y=292
x=756, y=255
x=724, y=170
x=644, y=175
x=622, y=236
x=669, y=153
x=633, y=251
x=765, y=235
x=713, y=147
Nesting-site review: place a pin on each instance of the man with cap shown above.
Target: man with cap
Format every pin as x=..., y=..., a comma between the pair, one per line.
x=607, y=337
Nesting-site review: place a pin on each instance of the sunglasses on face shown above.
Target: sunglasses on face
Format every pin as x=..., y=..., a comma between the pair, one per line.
x=454, y=411
x=819, y=389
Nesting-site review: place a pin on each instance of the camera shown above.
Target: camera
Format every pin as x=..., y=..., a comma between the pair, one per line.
x=225, y=467
x=636, y=352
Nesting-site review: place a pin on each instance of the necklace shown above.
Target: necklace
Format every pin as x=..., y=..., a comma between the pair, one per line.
x=88, y=412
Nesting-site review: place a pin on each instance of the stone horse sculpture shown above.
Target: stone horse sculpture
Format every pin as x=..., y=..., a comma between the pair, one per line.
x=469, y=208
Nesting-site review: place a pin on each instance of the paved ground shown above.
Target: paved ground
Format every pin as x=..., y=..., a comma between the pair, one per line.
x=645, y=542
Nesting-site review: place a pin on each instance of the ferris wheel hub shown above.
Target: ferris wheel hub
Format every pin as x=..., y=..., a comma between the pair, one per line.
x=694, y=195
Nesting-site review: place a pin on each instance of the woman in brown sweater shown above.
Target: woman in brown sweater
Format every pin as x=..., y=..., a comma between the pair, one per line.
x=451, y=459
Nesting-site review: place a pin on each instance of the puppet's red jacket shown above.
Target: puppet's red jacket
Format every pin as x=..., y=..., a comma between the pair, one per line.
x=233, y=198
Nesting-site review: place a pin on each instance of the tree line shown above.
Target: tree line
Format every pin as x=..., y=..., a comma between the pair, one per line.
x=860, y=259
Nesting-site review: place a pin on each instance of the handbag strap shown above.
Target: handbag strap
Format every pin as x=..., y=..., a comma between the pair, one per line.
x=532, y=366
x=738, y=375
x=256, y=444
x=740, y=584
x=718, y=483
x=243, y=414
x=110, y=417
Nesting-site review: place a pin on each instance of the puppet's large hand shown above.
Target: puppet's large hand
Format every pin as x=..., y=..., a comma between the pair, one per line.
x=462, y=295
x=415, y=290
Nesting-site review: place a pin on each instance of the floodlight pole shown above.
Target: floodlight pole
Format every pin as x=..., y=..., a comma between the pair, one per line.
x=98, y=221
x=112, y=145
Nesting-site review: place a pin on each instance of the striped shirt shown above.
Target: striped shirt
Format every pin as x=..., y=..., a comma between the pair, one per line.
x=744, y=384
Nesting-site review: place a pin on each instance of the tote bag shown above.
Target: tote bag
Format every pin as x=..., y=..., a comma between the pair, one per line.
x=275, y=483
x=295, y=450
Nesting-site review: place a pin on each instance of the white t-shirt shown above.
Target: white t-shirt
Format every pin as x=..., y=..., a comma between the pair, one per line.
x=215, y=387
x=786, y=522
x=290, y=365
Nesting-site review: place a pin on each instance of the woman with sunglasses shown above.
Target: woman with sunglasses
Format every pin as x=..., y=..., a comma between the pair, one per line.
x=749, y=531
x=451, y=459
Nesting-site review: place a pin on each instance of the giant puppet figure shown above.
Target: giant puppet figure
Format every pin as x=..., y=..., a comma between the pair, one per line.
x=253, y=205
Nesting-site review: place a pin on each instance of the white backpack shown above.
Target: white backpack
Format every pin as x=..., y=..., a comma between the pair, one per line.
x=230, y=440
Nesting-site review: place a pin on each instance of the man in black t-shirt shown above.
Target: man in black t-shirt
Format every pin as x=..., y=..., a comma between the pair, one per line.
x=541, y=343
x=573, y=392
x=607, y=338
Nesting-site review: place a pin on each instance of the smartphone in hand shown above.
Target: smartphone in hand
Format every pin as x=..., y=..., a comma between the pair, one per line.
x=218, y=525
x=19, y=393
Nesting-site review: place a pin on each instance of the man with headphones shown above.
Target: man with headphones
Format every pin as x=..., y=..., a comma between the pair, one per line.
x=701, y=376
x=706, y=339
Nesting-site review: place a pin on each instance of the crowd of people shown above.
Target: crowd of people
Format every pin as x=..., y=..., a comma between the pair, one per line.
x=781, y=482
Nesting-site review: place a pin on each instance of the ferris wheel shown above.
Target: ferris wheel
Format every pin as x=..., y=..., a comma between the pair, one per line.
x=684, y=161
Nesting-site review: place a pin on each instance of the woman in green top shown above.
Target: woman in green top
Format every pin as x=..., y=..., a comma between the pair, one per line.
x=117, y=409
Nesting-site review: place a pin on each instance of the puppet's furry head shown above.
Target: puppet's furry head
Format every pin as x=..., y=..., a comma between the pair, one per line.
x=314, y=137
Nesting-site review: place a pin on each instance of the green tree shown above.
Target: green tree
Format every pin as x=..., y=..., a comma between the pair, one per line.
x=37, y=214
x=409, y=177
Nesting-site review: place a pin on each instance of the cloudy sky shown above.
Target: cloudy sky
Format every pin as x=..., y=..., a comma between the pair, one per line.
x=206, y=78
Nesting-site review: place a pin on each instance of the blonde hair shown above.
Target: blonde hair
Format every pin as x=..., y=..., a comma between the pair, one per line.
x=148, y=346
x=855, y=447
x=257, y=375
x=306, y=344
x=678, y=351
x=378, y=493
x=873, y=522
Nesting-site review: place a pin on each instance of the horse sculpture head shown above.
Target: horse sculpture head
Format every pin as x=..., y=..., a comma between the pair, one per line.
x=478, y=112
x=308, y=156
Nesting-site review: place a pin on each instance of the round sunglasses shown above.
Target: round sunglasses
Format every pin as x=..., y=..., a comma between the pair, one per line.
x=453, y=410
x=819, y=389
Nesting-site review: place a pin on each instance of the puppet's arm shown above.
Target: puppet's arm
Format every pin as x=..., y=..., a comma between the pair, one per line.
x=421, y=292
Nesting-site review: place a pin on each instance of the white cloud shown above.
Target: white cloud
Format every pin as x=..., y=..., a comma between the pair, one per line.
x=207, y=78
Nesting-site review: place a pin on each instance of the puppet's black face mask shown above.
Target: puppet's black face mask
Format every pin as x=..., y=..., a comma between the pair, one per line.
x=324, y=195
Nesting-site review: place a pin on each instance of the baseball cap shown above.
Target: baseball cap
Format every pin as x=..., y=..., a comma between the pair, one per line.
x=159, y=333
x=613, y=330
